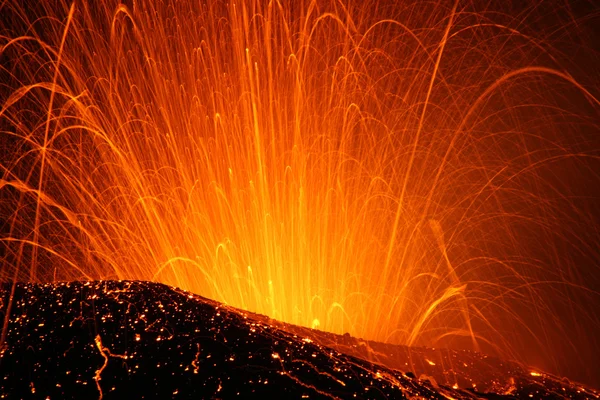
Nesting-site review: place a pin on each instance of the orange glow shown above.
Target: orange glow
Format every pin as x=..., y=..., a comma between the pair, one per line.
x=388, y=171
x=105, y=352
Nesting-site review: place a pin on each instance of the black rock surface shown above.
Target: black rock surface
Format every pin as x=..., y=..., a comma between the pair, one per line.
x=123, y=339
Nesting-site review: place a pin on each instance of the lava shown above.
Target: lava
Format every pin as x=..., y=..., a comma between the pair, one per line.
x=418, y=173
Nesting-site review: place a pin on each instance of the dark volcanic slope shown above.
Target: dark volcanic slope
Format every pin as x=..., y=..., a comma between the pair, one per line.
x=143, y=340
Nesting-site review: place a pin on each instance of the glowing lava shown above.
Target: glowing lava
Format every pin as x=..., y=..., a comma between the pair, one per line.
x=392, y=171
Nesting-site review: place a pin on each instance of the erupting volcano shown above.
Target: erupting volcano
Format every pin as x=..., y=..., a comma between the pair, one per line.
x=405, y=172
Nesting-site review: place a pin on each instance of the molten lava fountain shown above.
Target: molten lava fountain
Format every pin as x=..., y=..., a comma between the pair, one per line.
x=410, y=172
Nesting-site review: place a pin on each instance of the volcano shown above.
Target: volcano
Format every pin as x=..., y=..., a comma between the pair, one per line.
x=119, y=339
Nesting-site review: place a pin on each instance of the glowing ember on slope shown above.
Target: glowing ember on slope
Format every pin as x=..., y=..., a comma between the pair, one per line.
x=392, y=171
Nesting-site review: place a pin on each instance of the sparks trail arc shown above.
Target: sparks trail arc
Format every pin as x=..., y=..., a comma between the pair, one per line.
x=401, y=172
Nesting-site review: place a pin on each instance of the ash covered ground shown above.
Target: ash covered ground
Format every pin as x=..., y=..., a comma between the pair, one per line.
x=124, y=339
